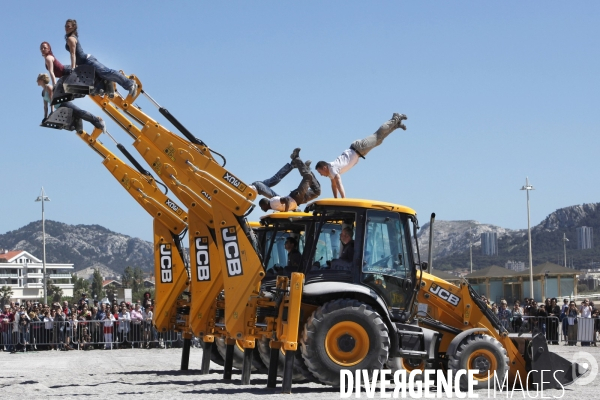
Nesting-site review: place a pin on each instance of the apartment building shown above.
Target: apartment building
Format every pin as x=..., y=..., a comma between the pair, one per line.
x=24, y=273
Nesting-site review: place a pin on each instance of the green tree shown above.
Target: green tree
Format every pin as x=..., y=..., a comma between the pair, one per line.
x=97, y=289
x=138, y=280
x=80, y=285
x=5, y=294
x=55, y=293
x=127, y=279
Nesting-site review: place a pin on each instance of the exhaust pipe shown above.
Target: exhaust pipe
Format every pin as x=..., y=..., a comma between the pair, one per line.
x=430, y=256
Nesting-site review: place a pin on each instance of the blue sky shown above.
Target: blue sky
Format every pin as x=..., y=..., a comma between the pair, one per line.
x=494, y=92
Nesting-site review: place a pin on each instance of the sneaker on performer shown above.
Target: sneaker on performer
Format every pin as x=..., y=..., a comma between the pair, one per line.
x=398, y=118
x=134, y=88
x=295, y=153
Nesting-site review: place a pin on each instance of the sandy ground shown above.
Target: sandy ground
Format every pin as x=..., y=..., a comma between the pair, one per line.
x=155, y=374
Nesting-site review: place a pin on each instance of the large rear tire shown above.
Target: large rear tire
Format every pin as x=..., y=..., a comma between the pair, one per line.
x=301, y=373
x=344, y=334
x=483, y=353
x=238, y=356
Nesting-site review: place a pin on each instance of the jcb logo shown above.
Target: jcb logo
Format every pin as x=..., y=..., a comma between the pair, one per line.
x=202, y=259
x=444, y=294
x=235, y=182
x=232, y=251
x=173, y=206
x=166, y=263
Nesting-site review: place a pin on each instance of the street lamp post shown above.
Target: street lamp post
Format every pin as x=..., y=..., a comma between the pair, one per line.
x=471, y=248
x=527, y=188
x=42, y=197
x=565, y=240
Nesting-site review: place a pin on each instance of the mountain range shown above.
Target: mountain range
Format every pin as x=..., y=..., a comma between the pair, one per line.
x=85, y=246
x=453, y=238
x=93, y=246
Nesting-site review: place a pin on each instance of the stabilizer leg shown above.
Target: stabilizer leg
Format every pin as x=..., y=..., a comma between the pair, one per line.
x=228, y=360
x=273, y=362
x=206, y=358
x=247, y=366
x=185, y=353
x=288, y=371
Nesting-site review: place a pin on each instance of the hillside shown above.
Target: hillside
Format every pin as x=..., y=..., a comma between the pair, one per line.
x=452, y=244
x=83, y=245
x=95, y=246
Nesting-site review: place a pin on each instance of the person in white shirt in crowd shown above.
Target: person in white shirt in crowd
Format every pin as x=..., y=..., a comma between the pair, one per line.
x=124, y=319
x=48, y=325
x=148, y=331
x=108, y=324
x=308, y=189
x=359, y=148
x=586, y=327
x=136, y=324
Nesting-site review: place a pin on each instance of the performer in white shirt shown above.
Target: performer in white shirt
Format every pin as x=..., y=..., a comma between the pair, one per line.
x=359, y=148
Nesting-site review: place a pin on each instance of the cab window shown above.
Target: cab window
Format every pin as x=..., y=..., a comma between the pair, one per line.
x=328, y=246
x=278, y=256
x=385, y=258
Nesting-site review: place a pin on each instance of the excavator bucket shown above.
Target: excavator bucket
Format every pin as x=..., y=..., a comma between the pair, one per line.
x=60, y=96
x=80, y=81
x=549, y=370
x=61, y=118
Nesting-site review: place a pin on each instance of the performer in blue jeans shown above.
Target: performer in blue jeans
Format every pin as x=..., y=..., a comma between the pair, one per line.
x=43, y=80
x=264, y=188
x=79, y=57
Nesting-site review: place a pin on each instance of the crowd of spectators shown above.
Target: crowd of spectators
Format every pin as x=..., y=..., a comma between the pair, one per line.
x=84, y=326
x=550, y=318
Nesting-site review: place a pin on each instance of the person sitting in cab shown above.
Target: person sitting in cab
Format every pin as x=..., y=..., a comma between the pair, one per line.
x=344, y=262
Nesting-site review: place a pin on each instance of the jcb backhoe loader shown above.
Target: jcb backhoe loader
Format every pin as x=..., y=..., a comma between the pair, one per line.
x=458, y=330
x=170, y=224
x=224, y=254
x=362, y=312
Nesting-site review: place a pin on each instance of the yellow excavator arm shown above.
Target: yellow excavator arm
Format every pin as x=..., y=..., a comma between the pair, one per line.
x=170, y=221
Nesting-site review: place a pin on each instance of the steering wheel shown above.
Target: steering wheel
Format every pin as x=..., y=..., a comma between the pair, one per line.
x=383, y=262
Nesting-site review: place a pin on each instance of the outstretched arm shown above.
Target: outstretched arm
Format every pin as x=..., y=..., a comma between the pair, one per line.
x=334, y=188
x=50, y=95
x=337, y=182
x=72, y=42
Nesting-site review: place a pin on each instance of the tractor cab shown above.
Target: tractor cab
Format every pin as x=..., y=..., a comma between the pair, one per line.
x=366, y=243
x=273, y=231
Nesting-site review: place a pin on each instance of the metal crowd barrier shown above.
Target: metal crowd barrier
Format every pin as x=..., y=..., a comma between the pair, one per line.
x=585, y=331
x=46, y=335
x=582, y=330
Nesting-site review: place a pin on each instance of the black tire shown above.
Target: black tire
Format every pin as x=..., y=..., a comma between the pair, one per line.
x=214, y=353
x=482, y=352
x=238, y=356
x=344, y=334
x=301, y=373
